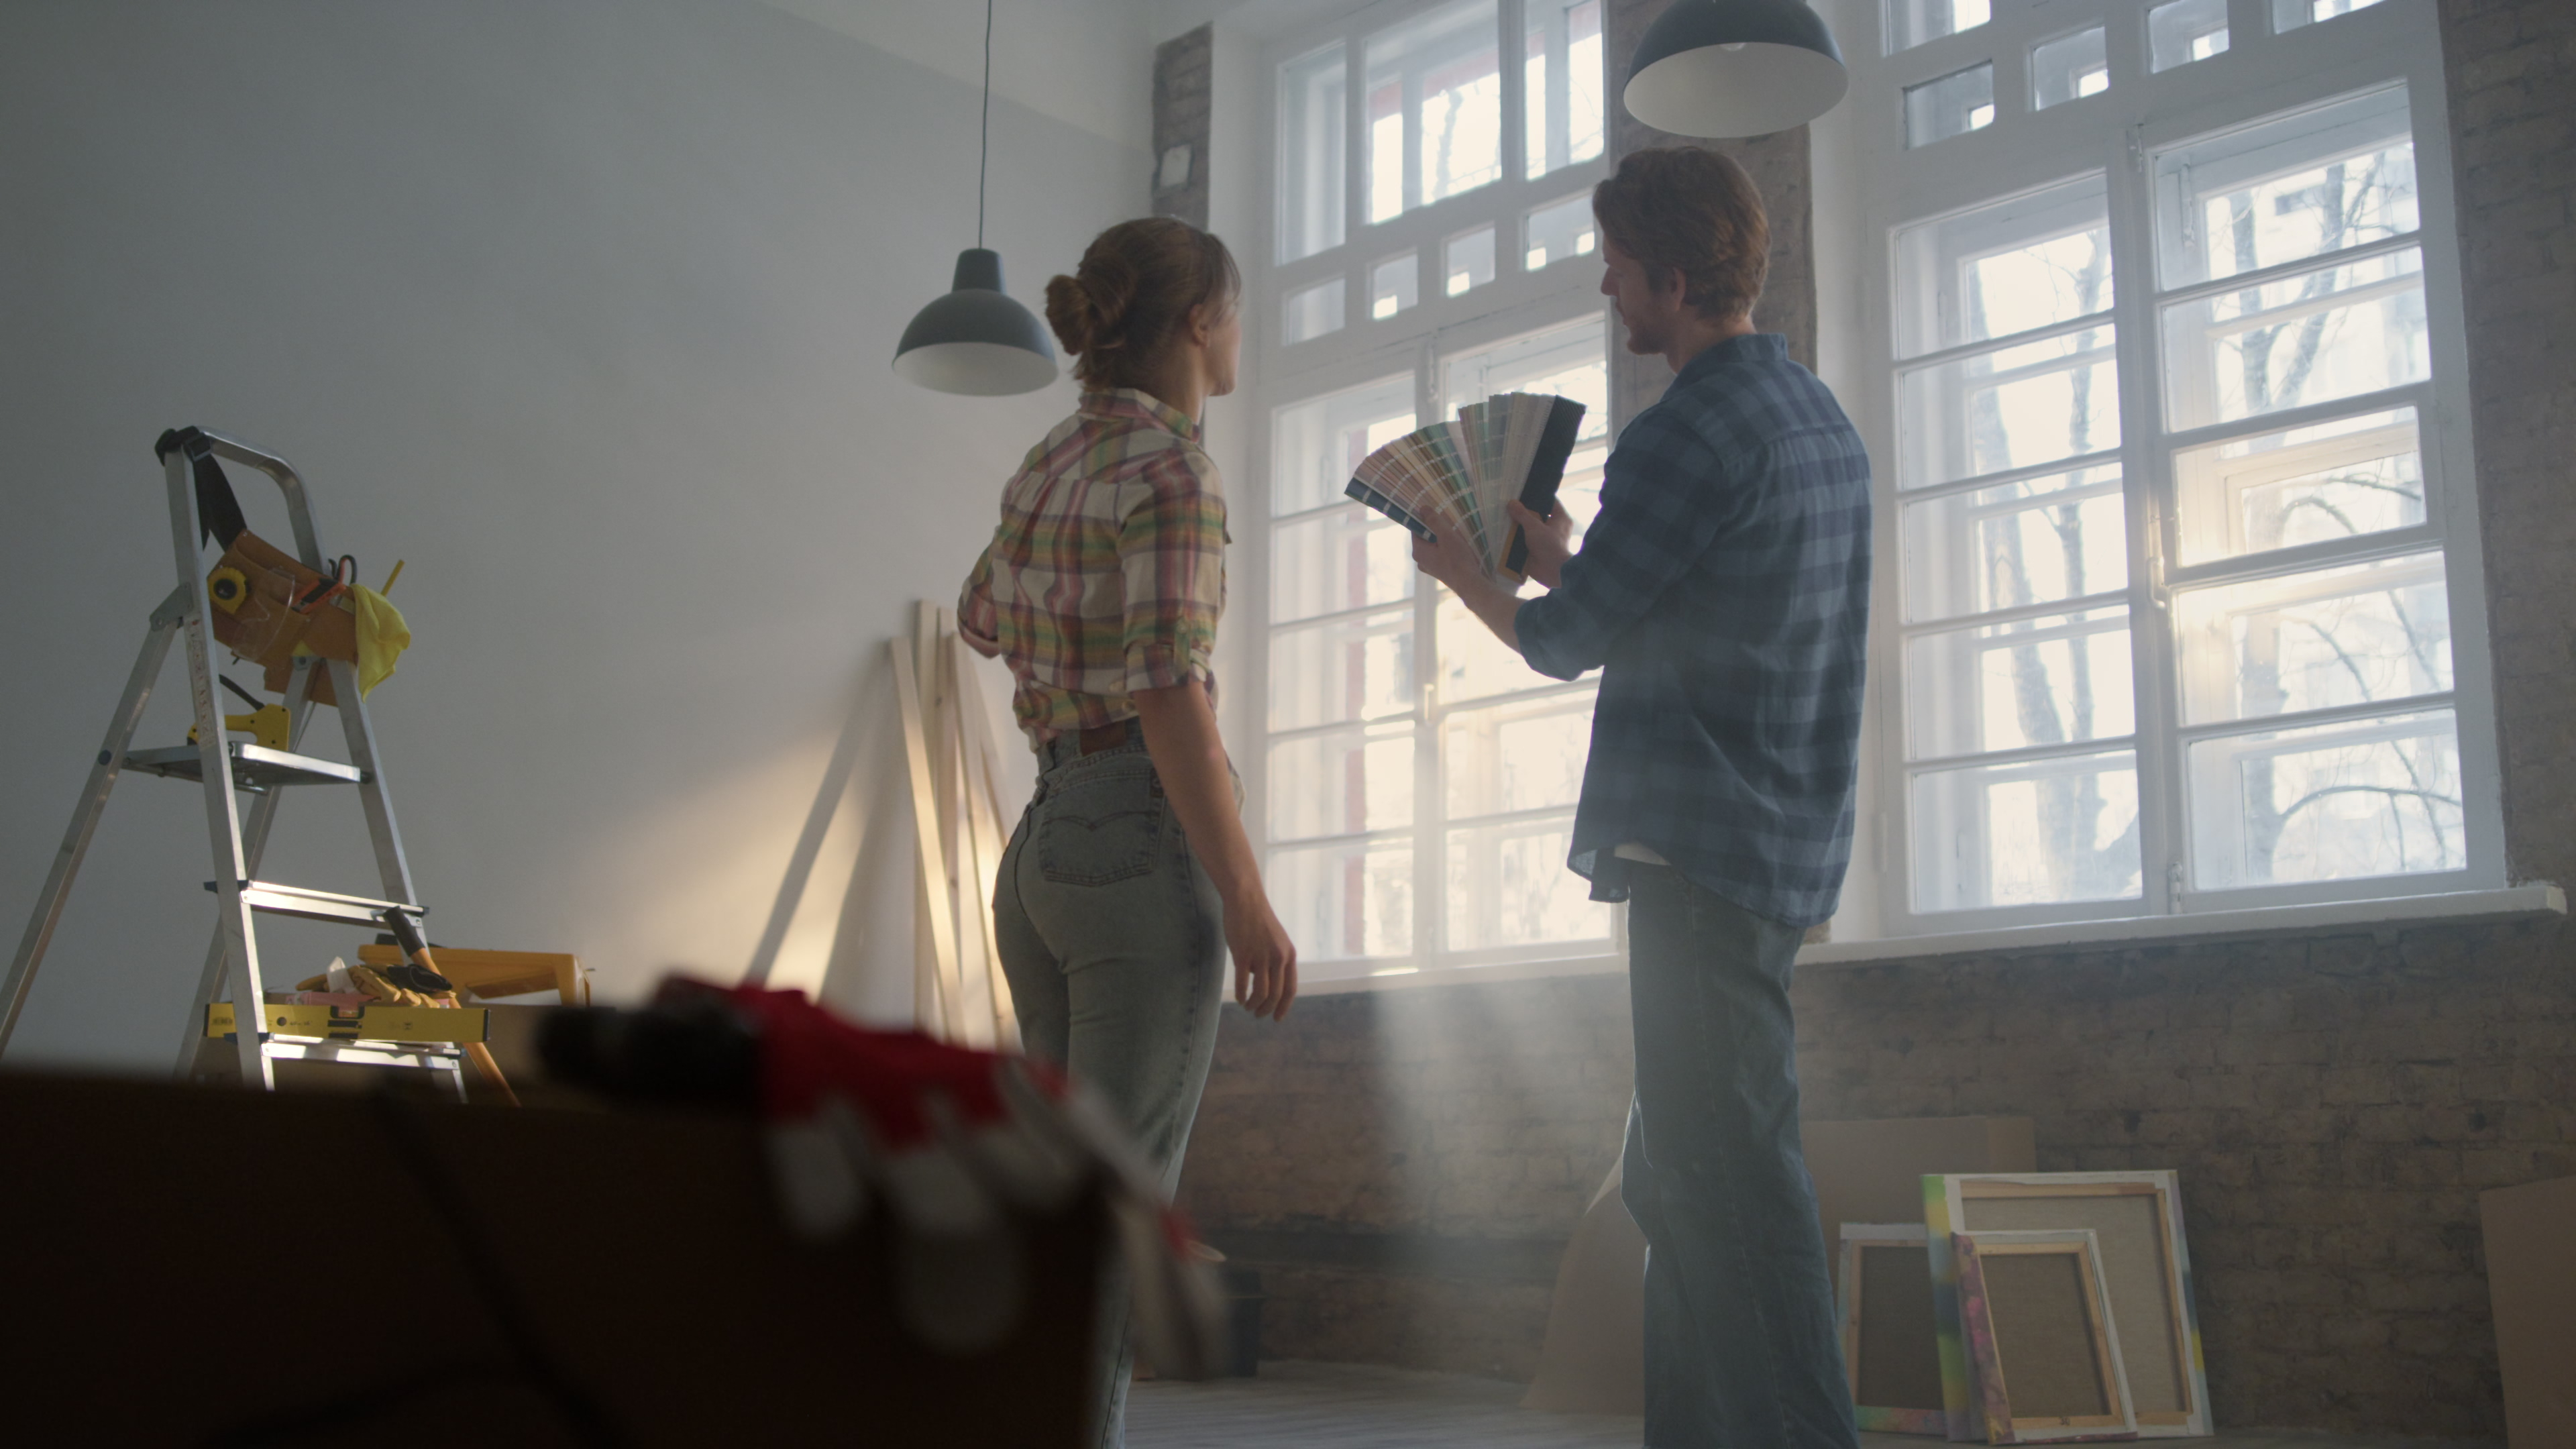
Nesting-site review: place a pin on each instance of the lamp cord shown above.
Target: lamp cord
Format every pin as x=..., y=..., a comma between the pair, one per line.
x=984, y=138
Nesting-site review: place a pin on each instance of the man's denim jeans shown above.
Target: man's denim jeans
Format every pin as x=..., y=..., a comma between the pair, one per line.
x=1740, y=1346
x=1113, y=939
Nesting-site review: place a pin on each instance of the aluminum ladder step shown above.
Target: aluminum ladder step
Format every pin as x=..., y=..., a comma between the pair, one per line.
x=310, y=905
x=255, y=767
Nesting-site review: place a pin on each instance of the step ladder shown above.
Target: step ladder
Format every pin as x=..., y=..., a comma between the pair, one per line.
x=224, y=767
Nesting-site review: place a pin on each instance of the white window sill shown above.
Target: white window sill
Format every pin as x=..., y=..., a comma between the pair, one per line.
x=1608, y=964
x=2536, y=901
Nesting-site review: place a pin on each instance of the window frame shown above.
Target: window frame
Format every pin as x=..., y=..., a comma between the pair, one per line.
x=2118, y=132
x=1417, y=341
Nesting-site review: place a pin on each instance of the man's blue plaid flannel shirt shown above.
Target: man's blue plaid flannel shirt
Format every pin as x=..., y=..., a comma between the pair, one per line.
x=1723, y=591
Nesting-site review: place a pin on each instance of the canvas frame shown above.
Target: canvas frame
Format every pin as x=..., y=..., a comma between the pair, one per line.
x=1980, y=1308
x=1945, y=1201
x=1848, y=1308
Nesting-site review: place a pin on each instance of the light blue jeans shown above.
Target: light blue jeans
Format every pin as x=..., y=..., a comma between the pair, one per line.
x=1113, y=939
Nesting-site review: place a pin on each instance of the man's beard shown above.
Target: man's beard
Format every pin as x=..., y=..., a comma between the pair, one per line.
x=1645, y=342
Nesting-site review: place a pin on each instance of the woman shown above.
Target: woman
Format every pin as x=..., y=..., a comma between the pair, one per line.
x=1102, y=590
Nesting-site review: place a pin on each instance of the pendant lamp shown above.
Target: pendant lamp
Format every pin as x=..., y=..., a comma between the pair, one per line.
x=1731, y=68
x=976, y=340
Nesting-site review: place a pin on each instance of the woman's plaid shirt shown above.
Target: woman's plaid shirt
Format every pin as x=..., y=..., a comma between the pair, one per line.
x=1107, y=574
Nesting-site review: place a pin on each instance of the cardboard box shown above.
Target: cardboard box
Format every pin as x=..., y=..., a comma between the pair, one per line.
x=2531, y=1279
x=1872, y=1172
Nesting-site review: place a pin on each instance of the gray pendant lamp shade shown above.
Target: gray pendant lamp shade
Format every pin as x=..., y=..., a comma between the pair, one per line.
x=1735, y=68
x=976, y=340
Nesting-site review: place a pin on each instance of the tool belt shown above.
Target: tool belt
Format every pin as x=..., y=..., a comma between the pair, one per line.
x=264, y=602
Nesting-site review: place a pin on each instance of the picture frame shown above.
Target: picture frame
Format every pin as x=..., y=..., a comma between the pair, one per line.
x=2137, y=1219
x=2036, y=1314
x=1890, y=1339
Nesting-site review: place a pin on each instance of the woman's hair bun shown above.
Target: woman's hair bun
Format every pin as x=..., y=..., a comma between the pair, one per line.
x=1070, y=315
x=1136, y=284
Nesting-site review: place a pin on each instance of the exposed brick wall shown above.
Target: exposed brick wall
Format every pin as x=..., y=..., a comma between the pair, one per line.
x=2511, y=67
x=1405, y=1166
x=1184, y=71
x=1402, y=1165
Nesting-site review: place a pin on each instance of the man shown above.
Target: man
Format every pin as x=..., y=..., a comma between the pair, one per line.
x=1723, y=590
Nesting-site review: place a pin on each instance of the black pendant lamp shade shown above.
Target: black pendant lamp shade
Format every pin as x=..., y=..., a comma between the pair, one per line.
x=976, y=340
x=1735, y=68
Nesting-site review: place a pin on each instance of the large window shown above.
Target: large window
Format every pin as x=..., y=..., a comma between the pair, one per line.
x=1418, y=780
x=2174, y=460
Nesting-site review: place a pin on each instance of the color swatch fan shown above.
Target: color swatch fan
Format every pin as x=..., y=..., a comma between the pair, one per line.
x=1506, y=447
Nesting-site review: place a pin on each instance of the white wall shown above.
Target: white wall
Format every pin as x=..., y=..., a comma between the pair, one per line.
x=585, y=309
x=1086, y=63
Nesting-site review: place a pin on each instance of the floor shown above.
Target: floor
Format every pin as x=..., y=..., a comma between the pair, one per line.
x=1344, y=1406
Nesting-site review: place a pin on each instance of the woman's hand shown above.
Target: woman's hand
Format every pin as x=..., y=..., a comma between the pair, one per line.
x=1181, y=737
x=1265, y=960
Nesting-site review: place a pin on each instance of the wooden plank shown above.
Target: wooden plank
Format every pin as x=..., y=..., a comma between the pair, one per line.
x=935, y=1007
x=957, y=809
x=984, y=824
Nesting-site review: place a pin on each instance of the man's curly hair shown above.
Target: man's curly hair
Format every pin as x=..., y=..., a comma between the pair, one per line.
x=1684, y=211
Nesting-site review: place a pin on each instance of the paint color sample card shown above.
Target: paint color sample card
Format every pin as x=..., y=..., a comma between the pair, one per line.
x=1462, y=473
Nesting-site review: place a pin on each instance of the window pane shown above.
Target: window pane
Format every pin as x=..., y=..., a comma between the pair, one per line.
x=2028, y=834
x=1312, y=145
x=1435, y=108
x=1394, y=285
x=2332, y=333
x=1467, y=261
x=1313, y=311
x=2331, y=802
x=2185, y=31
x=1561, y=75
x=1346, y=670
x=1557, y=231
x=2037, y=541
x=1954, y=105
x=2291, y=14
x=2283, y=190
x=1523, y=756
x=2030, y=261
x=1475, y=664
x=1316, y=445
x=1912, y=22
x=1342, y=558
x=1345, y=902
x=2068, y=68
x=1508, y=886
x=2343, y=479
x=2352, y=635
x=2016, y=407
x=2048, y=681
x=1341, y=784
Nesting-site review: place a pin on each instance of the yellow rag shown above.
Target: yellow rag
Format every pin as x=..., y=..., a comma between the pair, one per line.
x=382, y=637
